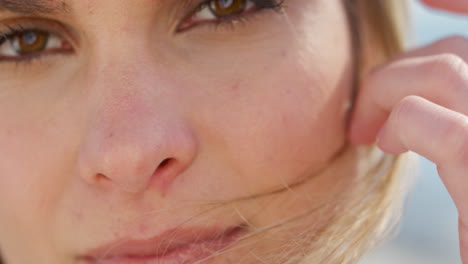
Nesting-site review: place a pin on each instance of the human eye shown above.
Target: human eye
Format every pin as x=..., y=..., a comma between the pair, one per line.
x=221, y=11
x=22, y=43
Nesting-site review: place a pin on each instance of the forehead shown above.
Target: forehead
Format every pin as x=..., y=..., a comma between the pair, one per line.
x=34, y=6
x=29, y=7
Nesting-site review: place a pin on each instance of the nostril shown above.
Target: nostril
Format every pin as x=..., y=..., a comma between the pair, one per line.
x=101, y=177
x=165, y=167
x=166, y=172
x=164, y=163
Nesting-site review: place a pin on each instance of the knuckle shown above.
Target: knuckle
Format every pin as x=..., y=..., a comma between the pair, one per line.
x=453, y=71
x=405, y=105
x=448, y=64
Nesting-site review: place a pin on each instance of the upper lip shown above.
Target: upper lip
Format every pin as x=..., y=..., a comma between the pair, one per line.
x=160, y=245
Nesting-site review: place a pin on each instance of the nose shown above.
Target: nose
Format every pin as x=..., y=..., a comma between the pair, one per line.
x=136, y=136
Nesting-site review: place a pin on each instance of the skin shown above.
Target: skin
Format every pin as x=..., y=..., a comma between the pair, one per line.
x=429, y=116
x=238, y=111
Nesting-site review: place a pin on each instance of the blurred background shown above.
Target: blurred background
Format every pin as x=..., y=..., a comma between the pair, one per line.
x=428, y=233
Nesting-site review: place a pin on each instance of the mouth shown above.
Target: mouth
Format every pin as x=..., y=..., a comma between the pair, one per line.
x=177, y=246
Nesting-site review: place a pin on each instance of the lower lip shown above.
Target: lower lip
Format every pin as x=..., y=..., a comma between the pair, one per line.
x=202, y=252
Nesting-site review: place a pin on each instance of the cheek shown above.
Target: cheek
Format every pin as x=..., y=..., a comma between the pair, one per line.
x=285, y=124
x=30, y=179
x=294, y=131
x=292, y=119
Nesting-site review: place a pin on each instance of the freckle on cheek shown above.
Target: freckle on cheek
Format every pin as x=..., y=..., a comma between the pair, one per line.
x=79, y=216
x=236, y=86
x=124, y=28
x=90, y=6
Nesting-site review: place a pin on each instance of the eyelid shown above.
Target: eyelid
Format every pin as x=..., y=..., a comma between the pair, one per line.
x=53, y=27
x=204, y=5
x=35, y=56
x=206, y=8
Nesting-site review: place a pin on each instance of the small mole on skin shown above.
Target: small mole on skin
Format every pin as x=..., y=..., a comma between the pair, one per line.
x=284, y=53
x=90, y=5
x=79, y=216
x=125, y=28
x=236, y=86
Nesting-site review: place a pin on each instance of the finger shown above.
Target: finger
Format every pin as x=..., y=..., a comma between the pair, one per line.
x=459, y=6
x=455, y=44
x=442, y=79
x=440, y=135
x=435, y=132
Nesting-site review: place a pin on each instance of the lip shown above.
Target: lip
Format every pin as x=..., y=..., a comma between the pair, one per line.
x=175, y=246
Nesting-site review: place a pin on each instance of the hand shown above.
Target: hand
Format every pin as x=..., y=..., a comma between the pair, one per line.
x=419, y=102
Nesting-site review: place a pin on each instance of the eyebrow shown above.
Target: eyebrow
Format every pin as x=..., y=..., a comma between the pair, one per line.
x=34, y=6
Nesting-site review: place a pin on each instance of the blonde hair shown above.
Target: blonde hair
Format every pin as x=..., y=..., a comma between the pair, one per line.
x=370, y=210
x=376, y=200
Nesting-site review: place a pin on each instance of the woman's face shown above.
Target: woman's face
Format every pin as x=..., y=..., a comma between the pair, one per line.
x=126, y=123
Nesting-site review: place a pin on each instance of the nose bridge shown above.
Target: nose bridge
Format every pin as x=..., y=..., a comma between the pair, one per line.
x=134, y=137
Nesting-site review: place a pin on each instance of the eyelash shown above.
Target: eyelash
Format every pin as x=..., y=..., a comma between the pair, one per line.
x=53, y=33
x=232, y=20
x=229, y=21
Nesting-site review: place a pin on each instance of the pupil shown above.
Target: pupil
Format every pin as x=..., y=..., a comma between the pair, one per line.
x=30, y=38
x=226, y=3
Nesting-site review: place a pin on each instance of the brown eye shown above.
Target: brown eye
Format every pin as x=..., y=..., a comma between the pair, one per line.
x=27, y=43
x=224, y=8
x=220, y=11
x=31, y=42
